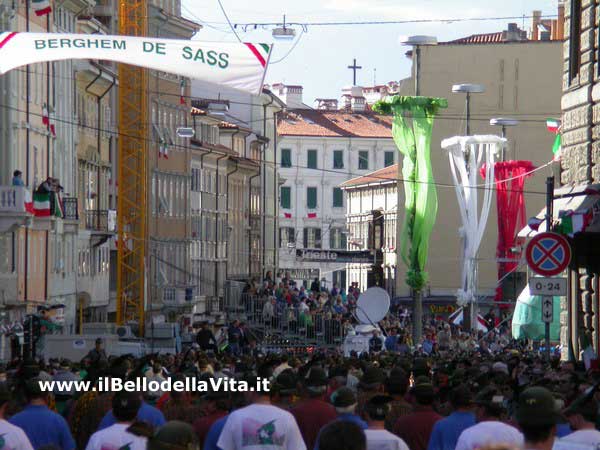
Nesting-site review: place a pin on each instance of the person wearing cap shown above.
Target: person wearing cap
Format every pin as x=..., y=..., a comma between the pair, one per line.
x=174, y=435
x=378, y=438
x=125, y=407
x=489, y=429
x=41, y=425
x=537, y=414
x=582, y=416
x=313, y=413
x=415, y=428
x=446, y=431
x=12, y=436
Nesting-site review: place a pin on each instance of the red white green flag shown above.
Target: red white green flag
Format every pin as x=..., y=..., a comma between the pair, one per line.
x=553, y=126
x=41, y=7
x=182, y=93
x=41, y=204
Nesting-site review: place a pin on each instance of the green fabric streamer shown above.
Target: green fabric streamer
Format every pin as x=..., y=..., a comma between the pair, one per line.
x=413, y=139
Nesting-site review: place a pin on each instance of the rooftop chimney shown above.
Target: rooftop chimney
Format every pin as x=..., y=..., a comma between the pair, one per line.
x=514, y=33
x=326, y=104
x=559, y=29
x=291, y=95
x=536, y=20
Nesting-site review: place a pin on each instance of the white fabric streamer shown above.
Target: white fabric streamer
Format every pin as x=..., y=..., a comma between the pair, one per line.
x=468, y=155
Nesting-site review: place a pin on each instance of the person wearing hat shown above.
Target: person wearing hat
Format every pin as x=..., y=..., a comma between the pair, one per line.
x=345, y=403
x=415, y=428
x=41, y=425
x=371, y=384
x=582, y=416
x=396, y=386
x=12, y=436
x=313, y=413
x=489, y=430
x=341, y=435
x=125, y=407
x=283, y=390
x=174, y=435
x=446, y=431
x=64, y=374
x=260, y=423
x=378, y=438
x=537, y=414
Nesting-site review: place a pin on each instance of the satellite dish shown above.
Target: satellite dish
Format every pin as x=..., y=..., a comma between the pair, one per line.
x=372, y=306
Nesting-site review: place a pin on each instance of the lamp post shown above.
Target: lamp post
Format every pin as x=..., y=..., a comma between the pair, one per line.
x=417, y=295
x=503, y=122
x=467, y=88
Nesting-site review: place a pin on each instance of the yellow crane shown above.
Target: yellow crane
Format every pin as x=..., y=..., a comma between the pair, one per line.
x=131, y=207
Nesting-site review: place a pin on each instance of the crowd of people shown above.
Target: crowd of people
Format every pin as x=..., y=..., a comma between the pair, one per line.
x=381, y=400
x=453, y=390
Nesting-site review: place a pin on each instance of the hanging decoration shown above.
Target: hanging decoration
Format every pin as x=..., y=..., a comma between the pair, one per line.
x=411, y=129
x=510, y=179
x=554, y=126
x=468, y=156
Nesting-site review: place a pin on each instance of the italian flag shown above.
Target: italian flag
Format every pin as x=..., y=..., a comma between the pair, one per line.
x=553, y=126
x=457, y=318
x=58, y=207
x=182, y=91
x=41, y=7
x=45, y=116
x=572, y=223
x=163, y=149
x=28, y=202
x=262, y=52
x=41, y=204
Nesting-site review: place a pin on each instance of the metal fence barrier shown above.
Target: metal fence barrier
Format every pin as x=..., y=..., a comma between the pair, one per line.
x=282, y=325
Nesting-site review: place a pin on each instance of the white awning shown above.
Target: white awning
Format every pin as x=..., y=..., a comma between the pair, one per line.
x=579, y=199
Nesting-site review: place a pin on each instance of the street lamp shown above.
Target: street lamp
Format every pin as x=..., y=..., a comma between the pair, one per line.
x=467, y=88
x=503, y=122
x=417, y=42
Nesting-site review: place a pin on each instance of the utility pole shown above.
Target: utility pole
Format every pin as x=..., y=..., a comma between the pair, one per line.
x=549, y=215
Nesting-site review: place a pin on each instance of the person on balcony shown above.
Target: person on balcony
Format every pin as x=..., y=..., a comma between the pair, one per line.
x=17, y=179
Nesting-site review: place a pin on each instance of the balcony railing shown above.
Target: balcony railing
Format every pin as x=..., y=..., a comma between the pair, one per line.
x=12, y=199
x=178, y=295
x=70, y=208
x=100, y=220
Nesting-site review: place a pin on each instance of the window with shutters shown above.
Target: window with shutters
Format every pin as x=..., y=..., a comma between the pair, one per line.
x=388, y=158
x=363, y=160
x=286, y=157
x=311, y=159
x=286, y=197
x=338, y=159
x=311, y=197
x=312, y=238
x=575, y=40
x=338, y=198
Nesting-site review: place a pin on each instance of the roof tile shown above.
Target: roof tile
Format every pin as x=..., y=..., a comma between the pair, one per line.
x=388, y=173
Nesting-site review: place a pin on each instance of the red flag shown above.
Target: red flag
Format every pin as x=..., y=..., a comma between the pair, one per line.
x=312, y=215
x=287, y=215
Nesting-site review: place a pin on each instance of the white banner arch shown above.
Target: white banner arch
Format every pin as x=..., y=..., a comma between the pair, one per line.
x=238, y=65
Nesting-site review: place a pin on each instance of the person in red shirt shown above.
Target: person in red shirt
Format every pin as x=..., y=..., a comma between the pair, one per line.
x=217, y=406
x=415, y=429
x=314, y=412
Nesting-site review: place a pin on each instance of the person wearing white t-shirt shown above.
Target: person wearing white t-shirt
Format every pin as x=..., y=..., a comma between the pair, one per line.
x=125, y=406
x=489, y=429
x=261, y=426
x=11, y=436
x=378, y=438
x=582, y=415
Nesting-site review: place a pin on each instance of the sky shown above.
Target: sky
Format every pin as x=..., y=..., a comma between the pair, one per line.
x=319, y=55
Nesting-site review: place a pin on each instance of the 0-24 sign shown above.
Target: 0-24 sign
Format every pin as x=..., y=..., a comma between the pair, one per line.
x=548, y=286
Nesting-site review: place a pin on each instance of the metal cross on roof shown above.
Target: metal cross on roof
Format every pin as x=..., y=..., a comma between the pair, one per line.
x=354, y=68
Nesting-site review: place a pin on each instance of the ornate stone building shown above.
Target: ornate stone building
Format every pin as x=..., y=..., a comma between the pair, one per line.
x=580, y=172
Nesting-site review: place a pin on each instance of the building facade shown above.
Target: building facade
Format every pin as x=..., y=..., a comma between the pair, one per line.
x=580, y=174
x=318, y=150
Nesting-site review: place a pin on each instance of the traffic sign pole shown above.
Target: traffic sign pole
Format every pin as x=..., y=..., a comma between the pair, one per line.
x=549, y=214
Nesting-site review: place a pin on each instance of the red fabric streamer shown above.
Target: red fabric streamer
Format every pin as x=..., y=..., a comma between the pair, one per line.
x=510, y=179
